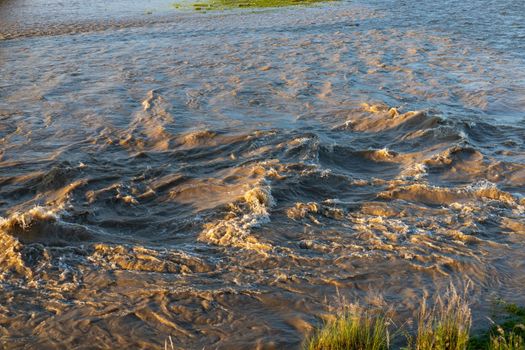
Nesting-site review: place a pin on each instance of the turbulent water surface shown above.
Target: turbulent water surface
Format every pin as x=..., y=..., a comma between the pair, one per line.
x=223, y=177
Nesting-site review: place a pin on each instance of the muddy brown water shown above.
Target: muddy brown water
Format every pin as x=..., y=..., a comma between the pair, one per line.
x=222, y=177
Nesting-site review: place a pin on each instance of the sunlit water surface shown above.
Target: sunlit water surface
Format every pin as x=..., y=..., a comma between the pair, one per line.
x=222, y=177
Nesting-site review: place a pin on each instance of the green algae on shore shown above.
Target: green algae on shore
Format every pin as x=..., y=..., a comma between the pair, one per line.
x=233, y=4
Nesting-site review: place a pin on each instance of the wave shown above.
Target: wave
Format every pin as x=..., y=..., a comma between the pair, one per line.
x=148, y=130
x=434, y=195
x=235, y=228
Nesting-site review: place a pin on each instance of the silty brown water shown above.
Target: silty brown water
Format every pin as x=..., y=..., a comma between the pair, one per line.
x=222, y=177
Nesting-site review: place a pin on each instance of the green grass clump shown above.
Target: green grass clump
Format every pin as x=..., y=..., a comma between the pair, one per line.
x=444, y=327
x=510, y=340
x=351, y=329
x=510, y=334
x=507, y=334
x=514, y=310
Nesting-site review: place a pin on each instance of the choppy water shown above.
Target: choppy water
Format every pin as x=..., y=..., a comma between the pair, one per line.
x=220, y=177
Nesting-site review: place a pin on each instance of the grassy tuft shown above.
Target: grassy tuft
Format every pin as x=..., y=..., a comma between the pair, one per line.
x=446, y=326
x=510, y=340
x=507, y=334
x=352, y=329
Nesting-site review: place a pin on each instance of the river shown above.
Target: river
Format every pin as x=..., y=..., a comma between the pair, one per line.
x=223, y=177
